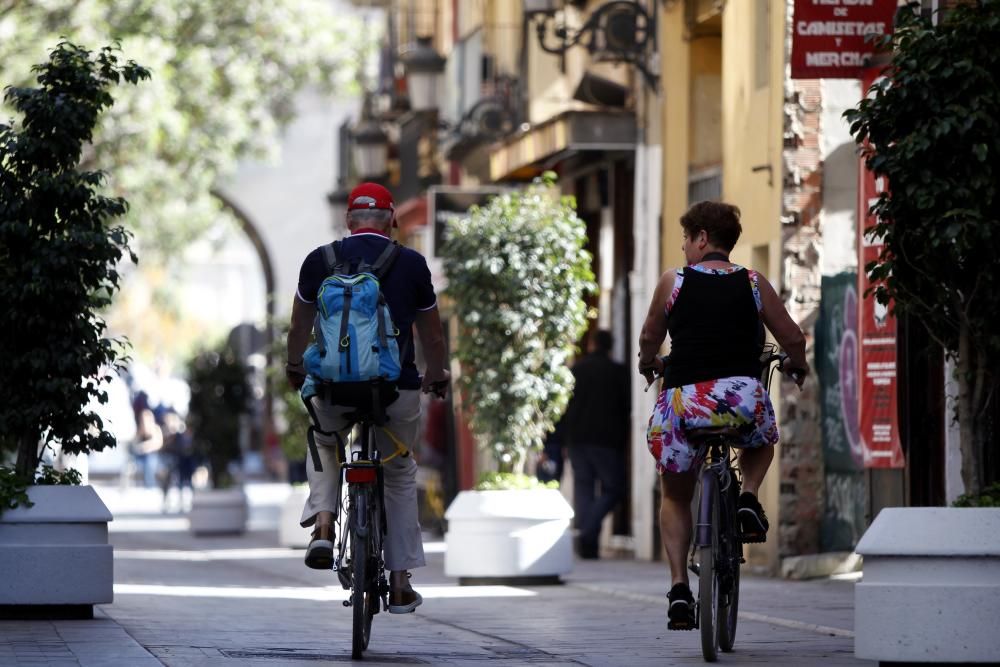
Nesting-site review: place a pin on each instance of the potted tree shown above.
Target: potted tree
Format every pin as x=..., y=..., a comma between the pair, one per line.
x=220, y=395
x=518, y=273
x=60, y=248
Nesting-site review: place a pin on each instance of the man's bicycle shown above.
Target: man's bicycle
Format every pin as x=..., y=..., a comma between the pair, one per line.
x=361, y=525
x=361, y=520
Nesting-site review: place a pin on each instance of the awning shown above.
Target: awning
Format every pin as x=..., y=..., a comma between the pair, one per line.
x=412, y=213
x=529, y=153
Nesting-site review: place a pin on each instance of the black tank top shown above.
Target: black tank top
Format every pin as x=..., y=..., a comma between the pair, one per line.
x=715, y=328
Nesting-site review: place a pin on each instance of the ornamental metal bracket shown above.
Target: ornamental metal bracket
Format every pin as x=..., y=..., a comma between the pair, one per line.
x=617, y=31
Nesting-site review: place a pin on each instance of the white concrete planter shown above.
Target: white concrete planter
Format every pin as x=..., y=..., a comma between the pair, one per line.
x=218, y=512
x=56, y=553
x=290, y=532
x=931, y=586
x=509, y=535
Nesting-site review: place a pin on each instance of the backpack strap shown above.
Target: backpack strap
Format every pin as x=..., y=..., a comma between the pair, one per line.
x=331, y=256
x=386, y=259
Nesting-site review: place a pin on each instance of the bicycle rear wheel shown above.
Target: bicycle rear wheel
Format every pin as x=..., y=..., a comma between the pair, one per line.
x=360, y=558
x=708, y=584
x=731, y=554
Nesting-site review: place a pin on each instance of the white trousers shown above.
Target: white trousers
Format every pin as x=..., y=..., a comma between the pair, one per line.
x=404, y=549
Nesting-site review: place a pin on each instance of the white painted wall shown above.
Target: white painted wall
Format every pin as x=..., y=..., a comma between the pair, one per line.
x=838, y=217
x=642, y=282
x=223, y=281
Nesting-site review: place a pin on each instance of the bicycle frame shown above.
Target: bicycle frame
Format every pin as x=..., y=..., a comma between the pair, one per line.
x=718, y=462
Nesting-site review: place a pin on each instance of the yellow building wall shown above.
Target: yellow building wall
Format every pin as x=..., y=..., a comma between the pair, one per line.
x=752, y=122
x=675, y=78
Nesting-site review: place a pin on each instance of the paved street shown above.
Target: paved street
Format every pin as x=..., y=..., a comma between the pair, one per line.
x=185, y=601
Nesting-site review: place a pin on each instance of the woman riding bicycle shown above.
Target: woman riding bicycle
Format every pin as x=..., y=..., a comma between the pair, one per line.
x=715, y=312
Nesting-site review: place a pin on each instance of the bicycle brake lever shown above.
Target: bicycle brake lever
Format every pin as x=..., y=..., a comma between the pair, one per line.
x=439, y=389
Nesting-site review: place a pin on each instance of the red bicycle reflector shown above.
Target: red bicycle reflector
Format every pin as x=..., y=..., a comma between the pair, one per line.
x=361, y=475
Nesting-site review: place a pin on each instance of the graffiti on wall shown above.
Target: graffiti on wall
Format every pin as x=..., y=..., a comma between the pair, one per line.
x=837, y=368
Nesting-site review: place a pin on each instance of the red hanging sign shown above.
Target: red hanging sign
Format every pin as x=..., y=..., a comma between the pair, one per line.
x=877, y=337
x=834, y=38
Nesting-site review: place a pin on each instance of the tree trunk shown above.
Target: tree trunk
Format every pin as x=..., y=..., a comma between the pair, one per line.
x=27, y=457
x=972, y=414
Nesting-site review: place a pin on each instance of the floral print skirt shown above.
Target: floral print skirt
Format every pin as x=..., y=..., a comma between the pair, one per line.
x=736, y=402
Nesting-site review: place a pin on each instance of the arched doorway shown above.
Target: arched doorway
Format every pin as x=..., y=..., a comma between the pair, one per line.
x=248, y=341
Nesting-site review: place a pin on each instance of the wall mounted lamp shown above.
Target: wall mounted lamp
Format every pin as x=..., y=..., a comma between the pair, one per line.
x=424, y=68
x=617, y=31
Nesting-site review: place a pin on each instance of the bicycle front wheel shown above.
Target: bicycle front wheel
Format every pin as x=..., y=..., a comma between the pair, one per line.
x=708, y=584
x=360, y=599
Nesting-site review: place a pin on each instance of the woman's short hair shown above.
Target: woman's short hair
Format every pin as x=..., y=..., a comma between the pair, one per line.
x=378, y=216
x=719, y=220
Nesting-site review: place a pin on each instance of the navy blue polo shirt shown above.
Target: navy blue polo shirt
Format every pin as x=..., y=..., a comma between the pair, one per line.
x=407, y=289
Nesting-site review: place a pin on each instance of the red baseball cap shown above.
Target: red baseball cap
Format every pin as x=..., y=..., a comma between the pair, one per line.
x=369, y=196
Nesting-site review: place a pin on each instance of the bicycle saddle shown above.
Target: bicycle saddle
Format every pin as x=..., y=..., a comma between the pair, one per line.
x=700, y=436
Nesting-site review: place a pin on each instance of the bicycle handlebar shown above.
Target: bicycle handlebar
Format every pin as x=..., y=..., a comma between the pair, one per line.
x=797, y=374
x=439, y=389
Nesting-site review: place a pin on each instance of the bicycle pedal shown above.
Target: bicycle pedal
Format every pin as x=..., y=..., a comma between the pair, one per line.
x=681, y=625
x=753, y=538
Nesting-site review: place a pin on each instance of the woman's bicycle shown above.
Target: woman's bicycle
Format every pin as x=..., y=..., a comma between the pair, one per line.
x=717, y=551
x=717, y=548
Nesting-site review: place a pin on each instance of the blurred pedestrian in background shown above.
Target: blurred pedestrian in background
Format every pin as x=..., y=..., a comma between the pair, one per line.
x=177, y=462
x=145, y=449
x=596, y=430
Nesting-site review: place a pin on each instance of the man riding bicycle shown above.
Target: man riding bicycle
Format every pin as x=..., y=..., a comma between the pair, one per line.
x=715, y=312
x=410, y=297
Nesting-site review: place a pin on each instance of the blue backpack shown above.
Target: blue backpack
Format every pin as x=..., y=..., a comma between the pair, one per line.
x=355, y=360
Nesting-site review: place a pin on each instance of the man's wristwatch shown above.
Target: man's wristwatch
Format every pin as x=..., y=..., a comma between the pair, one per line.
x=297, y=367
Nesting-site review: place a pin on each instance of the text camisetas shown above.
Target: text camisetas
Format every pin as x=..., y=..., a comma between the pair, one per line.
x=839, y=28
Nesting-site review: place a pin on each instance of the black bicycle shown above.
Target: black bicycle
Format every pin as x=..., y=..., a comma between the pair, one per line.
x=717, y=548
x=359, y=563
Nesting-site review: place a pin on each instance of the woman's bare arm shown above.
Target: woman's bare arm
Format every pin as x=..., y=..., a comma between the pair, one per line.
x=782, y=326
x=654, y=329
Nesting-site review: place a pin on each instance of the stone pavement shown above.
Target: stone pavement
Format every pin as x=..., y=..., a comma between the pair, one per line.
x=230, y=601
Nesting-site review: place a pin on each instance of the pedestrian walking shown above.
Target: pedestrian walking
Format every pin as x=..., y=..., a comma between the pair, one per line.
x=596, y=423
